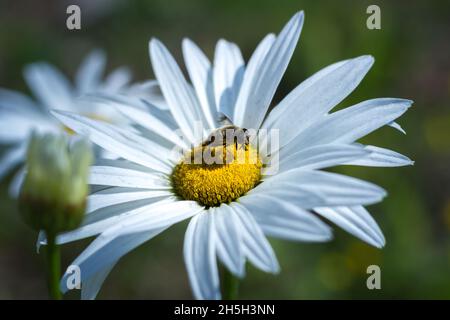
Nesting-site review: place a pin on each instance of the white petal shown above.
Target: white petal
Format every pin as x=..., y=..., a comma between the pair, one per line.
x=350, y=124
x=114, y=100
x=126, y=235
x=395, y=125
x=257, y=249
x=200, y=72
x=179, y=95
x=16, y=183
x=381, y=157
x=49, y=85
x=200, y=257
x=292, y=98
x=114, y=140
x=322, y=156
x=334, y=189
x=146, y=119
x=99, y=221
x=150, y=91
x=16, y=126
x=106, y=251
x=250, y=73
x=308, y=103
x=40, y=240
x=17, y=101
x=115, y=195
x=119, y=177
x=122, y=163
x=90, y=72
x=298, y=196
x=357, y=221
x=228, y=74
x=11, y=158
x=229, y=247
x=282, y=219
x=163, y=115
x=173, y=212
x=92, y=285
x=117, y=80
x=253, y=103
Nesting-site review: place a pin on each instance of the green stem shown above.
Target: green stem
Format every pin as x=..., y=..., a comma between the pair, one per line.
x=230, y=285
x=53, y=267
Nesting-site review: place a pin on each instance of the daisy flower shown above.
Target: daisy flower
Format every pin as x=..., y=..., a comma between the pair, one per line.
x=233, y=206
x=20, y=115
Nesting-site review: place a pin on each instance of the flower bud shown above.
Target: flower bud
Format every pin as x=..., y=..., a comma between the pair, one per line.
x=53, y=195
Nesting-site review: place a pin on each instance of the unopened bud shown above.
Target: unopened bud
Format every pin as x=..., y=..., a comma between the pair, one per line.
x=53, y=195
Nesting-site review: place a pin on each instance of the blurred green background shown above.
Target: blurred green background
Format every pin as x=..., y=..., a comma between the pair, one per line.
x=412, y=53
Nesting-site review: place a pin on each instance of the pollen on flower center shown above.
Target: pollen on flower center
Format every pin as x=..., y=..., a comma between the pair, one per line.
x=211, y=184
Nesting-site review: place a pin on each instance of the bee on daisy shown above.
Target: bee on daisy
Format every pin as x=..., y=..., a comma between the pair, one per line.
x=232, y=206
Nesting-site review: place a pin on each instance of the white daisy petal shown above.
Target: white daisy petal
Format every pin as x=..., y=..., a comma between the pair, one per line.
x=119, y=177
x=161, y=152
x=115, y=195
x=395, y=125
x=114, y=100
x=200, y=257
x=120, y=101
x=90, y=72
x=322, y=156
x=41, y=240
x=121, y=163
x=350, y=124
x=16, y=183
x=16, y=127
x=381, y=157
x=49, y=85
x=129, y=233
x=117, y=80
x=253, y=103
x=251, y=72
x=92, y=285
x=146, y=119
x=282, y=219
x=293, y=98
x=111, y=138
x=16, y=101
x=229, y=248
x=355, y=220
x=104, y=252
x=309, y=102
x=116, y=212
x=173, y=212
x=162, y=115
x=228, y=74
x=179, y=95
x=334, y=189
x=200, y=72
x=256, y=247
x=11, y=158
x=298, y=196
x=149, y=91
x=98, y=221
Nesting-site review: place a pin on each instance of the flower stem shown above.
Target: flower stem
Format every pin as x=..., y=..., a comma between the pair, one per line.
x=230, y=285
x=53, y=267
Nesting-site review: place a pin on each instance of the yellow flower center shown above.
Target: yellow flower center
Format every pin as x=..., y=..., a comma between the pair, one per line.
x=215, y=175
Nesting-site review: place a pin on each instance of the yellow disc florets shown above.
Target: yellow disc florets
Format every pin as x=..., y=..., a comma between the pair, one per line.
x=215, y=175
